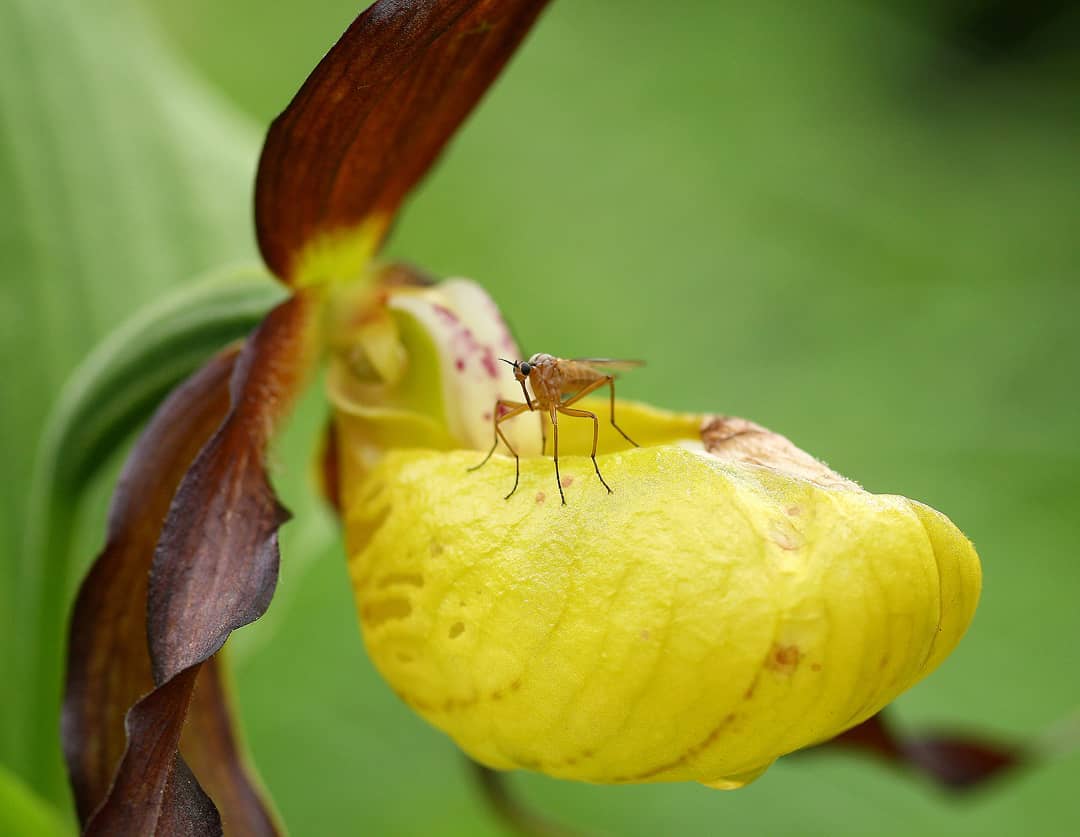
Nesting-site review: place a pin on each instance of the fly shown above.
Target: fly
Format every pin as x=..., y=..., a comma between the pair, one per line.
x=557, y=383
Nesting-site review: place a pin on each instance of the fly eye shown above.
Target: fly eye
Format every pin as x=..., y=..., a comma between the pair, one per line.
x=524, y=368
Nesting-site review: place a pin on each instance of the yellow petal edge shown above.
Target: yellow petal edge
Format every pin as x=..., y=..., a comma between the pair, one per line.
x=708, y=617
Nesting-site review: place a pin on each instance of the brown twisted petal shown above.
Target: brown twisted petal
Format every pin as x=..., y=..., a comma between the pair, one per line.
x=372, y=118
x=210, y=744
x=108, y=660
x=214, y=569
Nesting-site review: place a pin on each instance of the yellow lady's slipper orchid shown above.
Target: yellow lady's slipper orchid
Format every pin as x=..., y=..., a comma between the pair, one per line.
x=733, y=600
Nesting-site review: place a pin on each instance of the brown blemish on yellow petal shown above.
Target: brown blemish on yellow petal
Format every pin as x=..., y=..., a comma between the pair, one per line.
x=454, y=704
x=783, y=659
x=739, y=440
x=706, y=742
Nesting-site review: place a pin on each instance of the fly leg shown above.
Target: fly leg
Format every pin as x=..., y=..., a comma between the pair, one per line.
x=595, y=436
x=595, y=385
x=516, y=409
x=555, y=433
x=611, y=384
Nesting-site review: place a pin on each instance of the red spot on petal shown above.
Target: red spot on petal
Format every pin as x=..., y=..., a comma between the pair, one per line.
x=460, y=364
x=487, y=415
x=567, y=482
x=540, y=497
x=445, y=313
x=488, y=359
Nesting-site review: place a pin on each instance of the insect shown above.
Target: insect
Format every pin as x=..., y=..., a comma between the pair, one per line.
x=557, y=383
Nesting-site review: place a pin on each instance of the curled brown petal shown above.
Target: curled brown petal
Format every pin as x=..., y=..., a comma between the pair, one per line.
x=372, y=118
x=214, y=569
x=210, y=745
x=108, y=659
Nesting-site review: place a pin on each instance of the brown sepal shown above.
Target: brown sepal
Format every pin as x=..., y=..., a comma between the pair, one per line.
x=954, y=762
x=216, y=563
x=214, y=570
x=209, y=744
x=108, y=660
x=374, y=115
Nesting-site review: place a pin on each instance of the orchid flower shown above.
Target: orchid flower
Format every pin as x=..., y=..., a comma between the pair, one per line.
x=732, y=601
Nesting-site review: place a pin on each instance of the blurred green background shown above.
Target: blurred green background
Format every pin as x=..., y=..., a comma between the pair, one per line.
x=856, y=223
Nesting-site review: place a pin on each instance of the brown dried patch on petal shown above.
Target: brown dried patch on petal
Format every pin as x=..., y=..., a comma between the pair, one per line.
x=373, y=117
x=783, y=659
x=955, y=762
x=739, y=440
x=108, y=660
x=214, y=570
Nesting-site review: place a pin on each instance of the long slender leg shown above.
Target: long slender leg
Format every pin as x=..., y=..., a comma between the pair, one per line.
x=517, y=459
x=595, y=435
x=517, y=409
x=543, y=432
x=611, y=384
x=496, y=418
x=595, y=385
x=555, y=434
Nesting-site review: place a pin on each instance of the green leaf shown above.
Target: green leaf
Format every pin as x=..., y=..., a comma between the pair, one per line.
x=23, y=812
x=122, y=177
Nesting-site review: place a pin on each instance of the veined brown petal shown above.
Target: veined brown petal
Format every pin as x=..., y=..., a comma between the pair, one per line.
x=214, y=569
x=368, y=124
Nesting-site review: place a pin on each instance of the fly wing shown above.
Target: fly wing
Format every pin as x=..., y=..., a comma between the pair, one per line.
x=614, y=364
